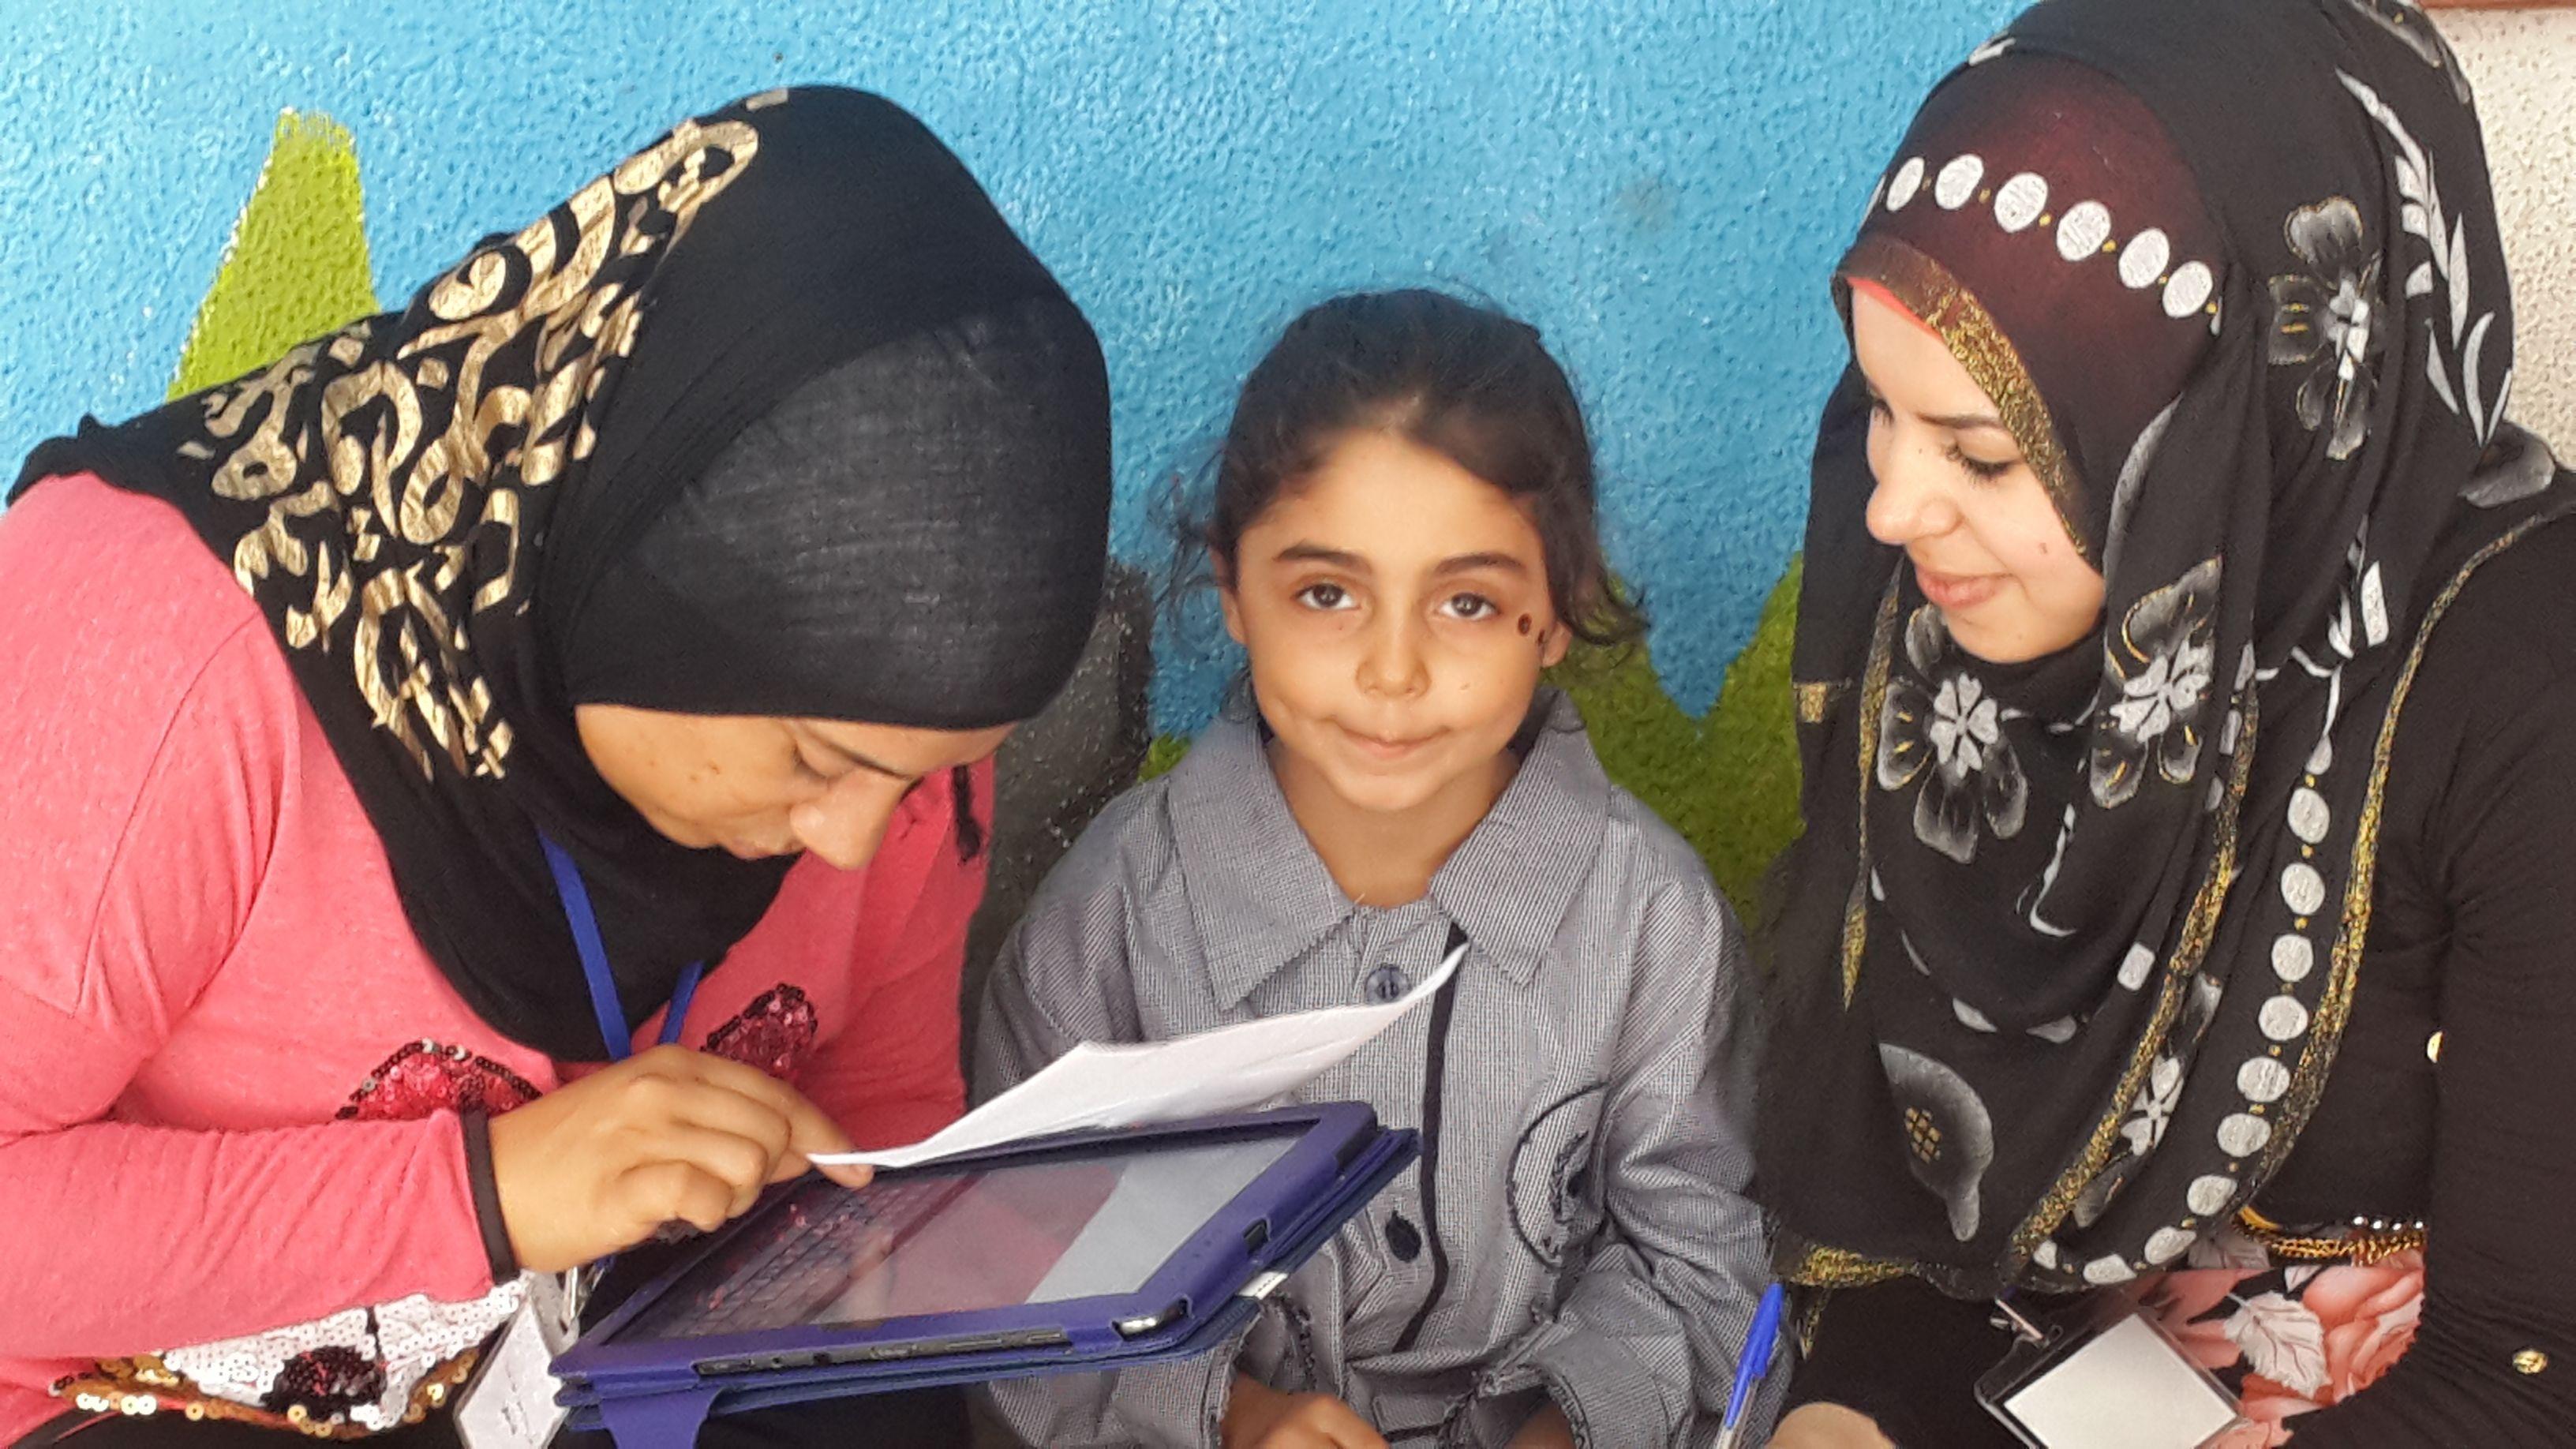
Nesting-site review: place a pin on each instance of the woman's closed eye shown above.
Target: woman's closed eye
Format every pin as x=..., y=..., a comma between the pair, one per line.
x=1983, y=469
x=808, y=767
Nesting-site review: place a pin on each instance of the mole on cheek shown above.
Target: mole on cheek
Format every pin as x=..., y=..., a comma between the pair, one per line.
x=1525, y=623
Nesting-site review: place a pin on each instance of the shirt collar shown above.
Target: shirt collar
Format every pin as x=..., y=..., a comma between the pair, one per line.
x=1261, y=897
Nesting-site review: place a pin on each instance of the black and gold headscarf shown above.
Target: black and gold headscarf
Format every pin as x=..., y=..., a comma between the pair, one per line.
x=776, y=417
x=2069, y=945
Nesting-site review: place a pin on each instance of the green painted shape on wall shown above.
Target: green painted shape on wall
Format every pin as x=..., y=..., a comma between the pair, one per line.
x=1752, y=776
x=1728, y=783
x=297, y=265
x=1161, y=756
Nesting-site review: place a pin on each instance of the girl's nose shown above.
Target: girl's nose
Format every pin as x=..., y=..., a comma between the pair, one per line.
x=1393, y=663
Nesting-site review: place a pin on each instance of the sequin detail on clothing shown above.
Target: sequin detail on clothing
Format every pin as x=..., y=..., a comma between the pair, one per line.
x=353, y=1373
x=326, y=1382
x=423, y=1078
x=772, y=1034
x=362, y=1370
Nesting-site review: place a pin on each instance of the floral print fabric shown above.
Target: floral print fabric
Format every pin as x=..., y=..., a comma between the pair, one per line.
x=2158, y=668
x=1943, y=727
x=2323, y=321
x=2287, y=1340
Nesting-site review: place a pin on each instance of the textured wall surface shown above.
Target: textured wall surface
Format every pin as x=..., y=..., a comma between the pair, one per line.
x=1658, y=184
x=2523, y=64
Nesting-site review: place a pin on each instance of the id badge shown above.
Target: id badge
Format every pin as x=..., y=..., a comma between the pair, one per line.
x=2103, y=1375
x=509, y=1403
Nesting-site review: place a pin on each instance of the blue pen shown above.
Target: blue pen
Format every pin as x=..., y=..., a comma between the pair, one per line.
x=1752, y=1363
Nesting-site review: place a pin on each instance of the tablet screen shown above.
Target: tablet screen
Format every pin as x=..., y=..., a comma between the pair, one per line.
x=933, y=1241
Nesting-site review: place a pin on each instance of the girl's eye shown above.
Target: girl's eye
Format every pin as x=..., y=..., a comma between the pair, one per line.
x=1980, y=468
x=1879, y=411
x=1324, y=596
x=1470, y=606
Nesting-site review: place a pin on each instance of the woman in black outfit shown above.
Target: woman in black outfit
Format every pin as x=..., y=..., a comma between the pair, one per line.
x=2187, y=685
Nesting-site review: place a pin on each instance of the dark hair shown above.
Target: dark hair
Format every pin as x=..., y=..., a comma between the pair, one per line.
x=970, y=831
x=1467, y=382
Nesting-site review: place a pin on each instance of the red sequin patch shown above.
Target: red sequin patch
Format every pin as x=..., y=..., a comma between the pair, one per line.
x=423, y=1077
x=773, y=1033
x=327, y=1382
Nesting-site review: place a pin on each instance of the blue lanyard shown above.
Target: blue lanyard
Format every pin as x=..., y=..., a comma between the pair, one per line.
x=594, y=960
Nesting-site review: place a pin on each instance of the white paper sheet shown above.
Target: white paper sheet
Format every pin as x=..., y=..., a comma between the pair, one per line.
x=1230, y=1069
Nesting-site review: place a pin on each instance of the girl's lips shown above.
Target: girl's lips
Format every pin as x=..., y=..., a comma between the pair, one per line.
x=1384, y=749
x=1950, y=592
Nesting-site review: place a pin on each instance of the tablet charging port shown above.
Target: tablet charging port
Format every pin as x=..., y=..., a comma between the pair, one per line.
x=1257, y=1237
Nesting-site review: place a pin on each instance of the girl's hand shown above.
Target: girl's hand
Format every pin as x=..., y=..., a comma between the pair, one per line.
x=1828, y=1426
x=596, y=1166
x=1546, y=1429
x=1258, y=1416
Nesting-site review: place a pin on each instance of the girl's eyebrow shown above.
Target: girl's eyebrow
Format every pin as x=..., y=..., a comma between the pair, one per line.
x=1470, y=562
x=1317, y=553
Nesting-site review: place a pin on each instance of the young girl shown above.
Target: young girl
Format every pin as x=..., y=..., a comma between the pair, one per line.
x=1402, y=540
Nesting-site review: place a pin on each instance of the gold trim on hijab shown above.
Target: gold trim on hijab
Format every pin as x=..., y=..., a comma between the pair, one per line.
x=1954, y=314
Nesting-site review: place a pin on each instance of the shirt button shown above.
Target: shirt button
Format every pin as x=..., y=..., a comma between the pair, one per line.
x=2530, y=1361
x=1386, y=983
x=2433, y=1048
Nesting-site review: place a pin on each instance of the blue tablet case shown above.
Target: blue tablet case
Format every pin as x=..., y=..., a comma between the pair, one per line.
x=655, y=1397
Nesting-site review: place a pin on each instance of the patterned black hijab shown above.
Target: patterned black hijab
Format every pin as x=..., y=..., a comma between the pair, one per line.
x=2067, y=946
x=776, y=417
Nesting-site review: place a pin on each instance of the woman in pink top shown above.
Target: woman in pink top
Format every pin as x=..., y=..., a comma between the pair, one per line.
x=691, y=549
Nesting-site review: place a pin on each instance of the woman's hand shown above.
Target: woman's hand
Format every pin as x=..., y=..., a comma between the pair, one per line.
x=1828, y=1426
x=1258, y=1416
x=597, y=1165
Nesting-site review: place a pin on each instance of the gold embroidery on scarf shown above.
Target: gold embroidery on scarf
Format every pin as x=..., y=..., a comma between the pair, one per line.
x=1817, y=1266
x=1816, y=698
x=2199, y=927
x=1873, y=701
x=2334, y=1005
x=390, y=483
x=2364, y=1246
x=1929, y=291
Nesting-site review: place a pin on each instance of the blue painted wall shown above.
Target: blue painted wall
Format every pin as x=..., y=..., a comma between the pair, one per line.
x=1658, y=184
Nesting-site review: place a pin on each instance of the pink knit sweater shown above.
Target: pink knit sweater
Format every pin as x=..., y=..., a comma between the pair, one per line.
x=229, y=1076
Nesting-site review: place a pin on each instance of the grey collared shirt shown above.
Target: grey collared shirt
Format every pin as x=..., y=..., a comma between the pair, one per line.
x=1577, y=1227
